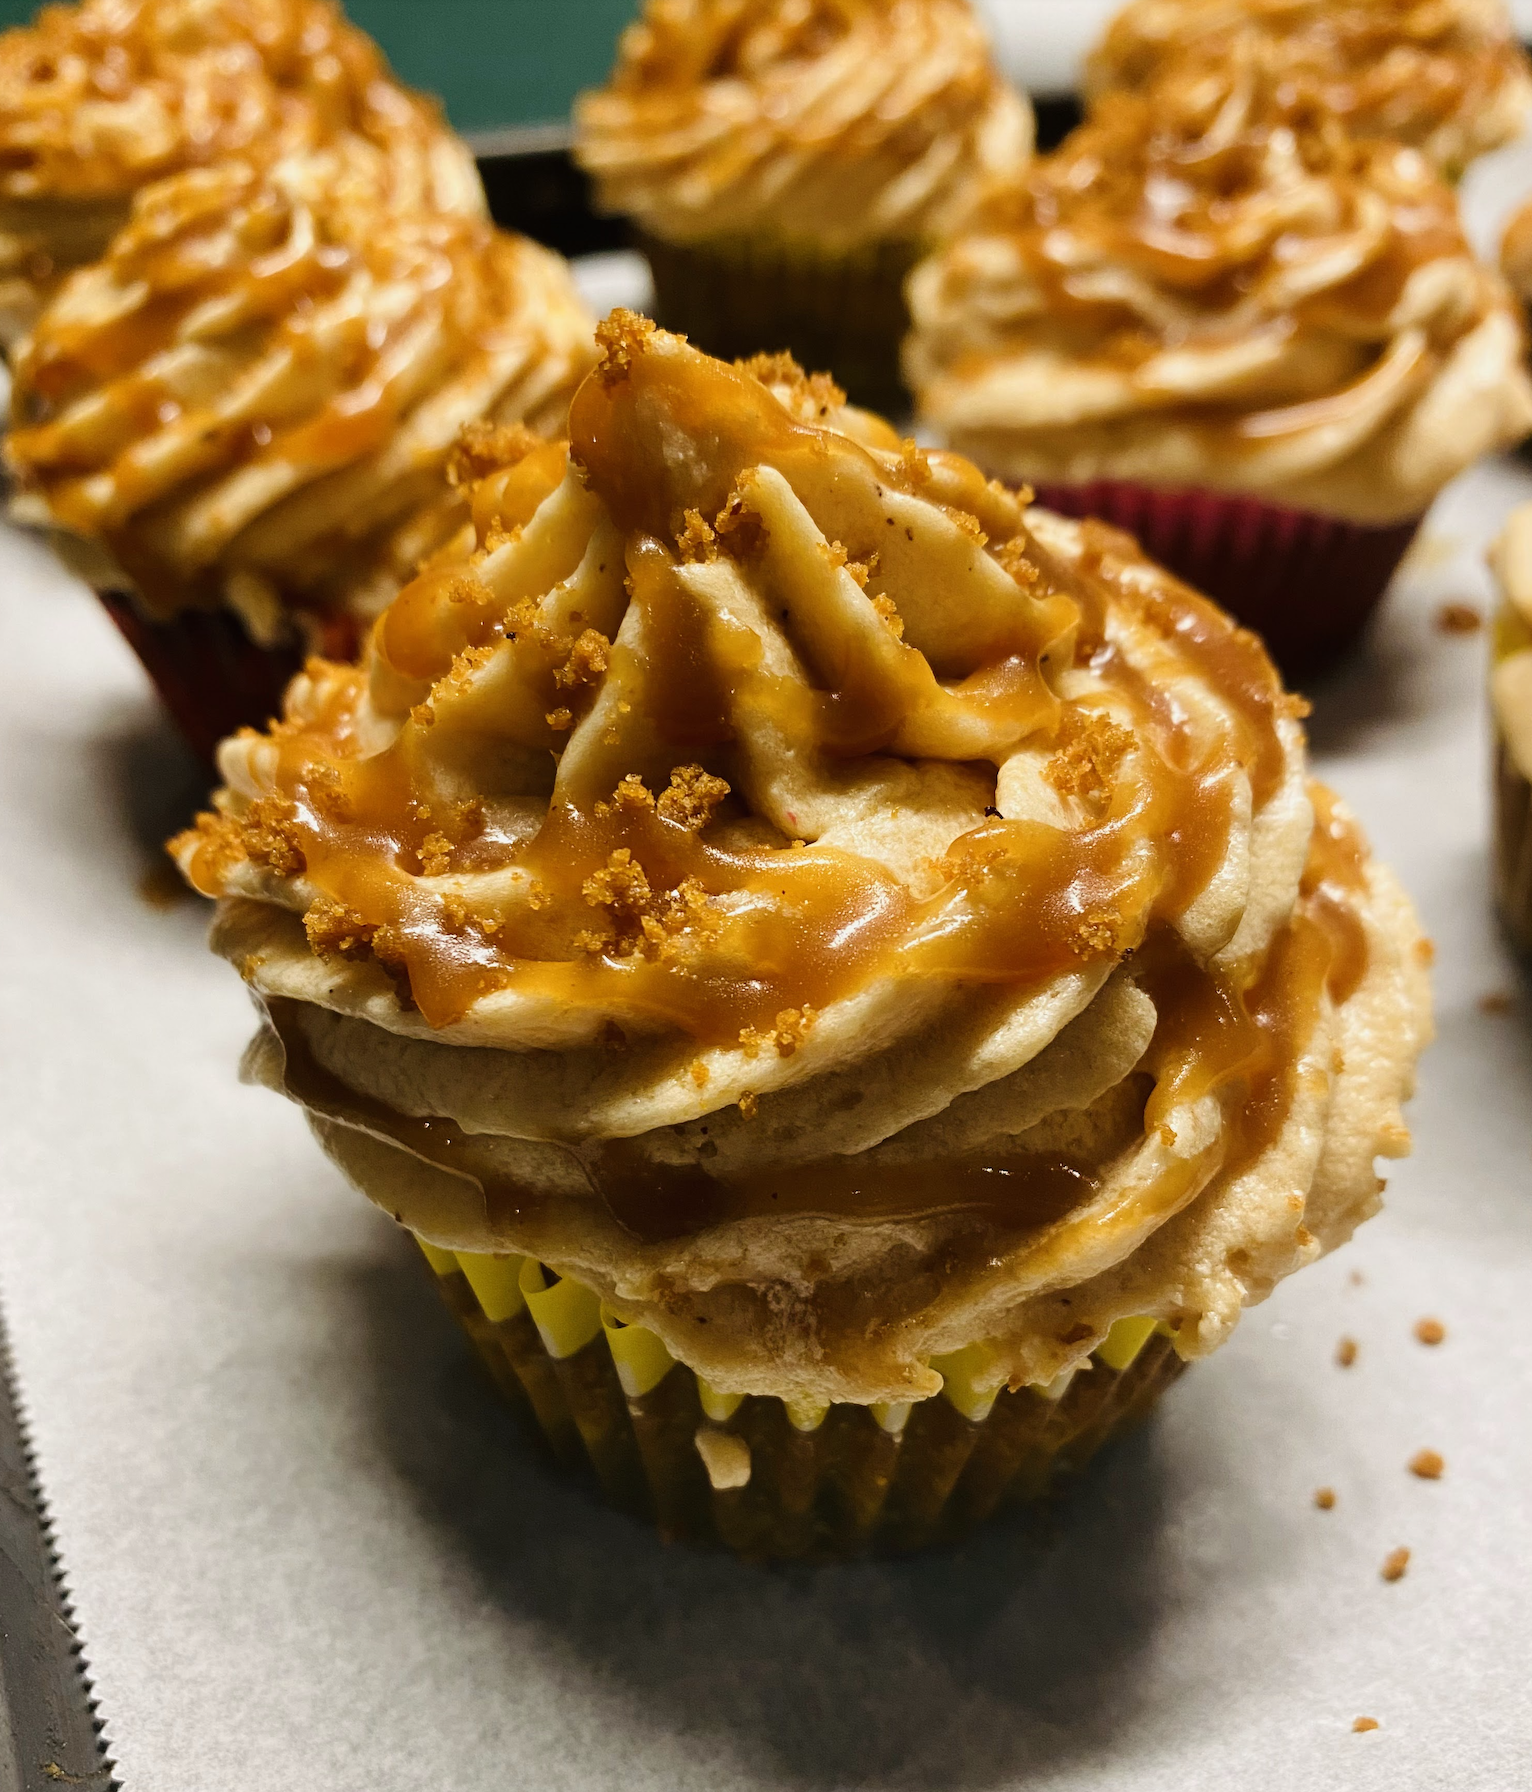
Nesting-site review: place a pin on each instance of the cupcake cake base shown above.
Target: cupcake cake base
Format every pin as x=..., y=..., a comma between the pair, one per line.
x=765, y=1478
x=1307, y=584
x=839, y=314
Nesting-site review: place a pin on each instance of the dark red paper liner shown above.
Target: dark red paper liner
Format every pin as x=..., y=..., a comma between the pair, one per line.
x=1306, y=583
x=212, y=677
x=842, y=315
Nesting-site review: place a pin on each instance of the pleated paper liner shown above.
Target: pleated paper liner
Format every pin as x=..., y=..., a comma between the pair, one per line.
x=1306, y=583
x=772, y=1479
x=1513, y=803
x=842, y=314
x=209, y=673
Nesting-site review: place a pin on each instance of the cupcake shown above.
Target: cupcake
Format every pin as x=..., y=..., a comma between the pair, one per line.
x=100, y=99
x=1446, y=77
x=787, y=164
x=1217, y=320
x=847, y=979
x=1511, y=710
x=237, y=422
x=1516, y=256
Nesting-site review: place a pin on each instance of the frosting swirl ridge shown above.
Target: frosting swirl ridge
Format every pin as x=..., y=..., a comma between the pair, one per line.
x=1447, y=77
x=263, y=377
x=836, y=123
x=1214, y=285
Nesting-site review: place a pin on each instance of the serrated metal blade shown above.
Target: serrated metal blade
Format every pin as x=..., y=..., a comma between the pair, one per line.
x=49, y=1736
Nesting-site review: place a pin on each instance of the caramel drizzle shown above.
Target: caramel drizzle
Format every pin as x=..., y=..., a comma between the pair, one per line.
x=719, y=940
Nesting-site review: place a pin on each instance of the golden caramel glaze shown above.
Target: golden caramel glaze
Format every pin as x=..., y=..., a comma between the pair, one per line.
x=833, y=122
x=794, y=887
x=1516, y=254
x=98, y=100
x=1213, y=284
x=252, y=397
x=1447, y=77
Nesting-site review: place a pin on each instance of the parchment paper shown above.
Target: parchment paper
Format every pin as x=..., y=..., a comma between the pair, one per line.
x=308, y=1550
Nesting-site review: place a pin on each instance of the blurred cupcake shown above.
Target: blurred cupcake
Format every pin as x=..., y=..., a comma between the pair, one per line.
x=237, y=421
x=100, y=99
x=1215, y=319
x=1516, y=256
x=1447, y=77
x=841, y=1034
x=1511, y=708
x=786, y=164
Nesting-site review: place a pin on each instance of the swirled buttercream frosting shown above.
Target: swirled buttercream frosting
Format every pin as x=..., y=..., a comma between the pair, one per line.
x=833, y=122
x=837, y=912
x=1445, y=76
x=260, y=383
x=1215, y=286
x=99, y=99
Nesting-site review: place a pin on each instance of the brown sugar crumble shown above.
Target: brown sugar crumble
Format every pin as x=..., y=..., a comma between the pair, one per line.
x=1497, y=1001
x=1458, y=619
x=1430, y=1331
x=1359, y=1724
x=1394, y=1564
x=1345, y=1352
x=1324, y=1498
x=1427, y=1464
x=1091, y=749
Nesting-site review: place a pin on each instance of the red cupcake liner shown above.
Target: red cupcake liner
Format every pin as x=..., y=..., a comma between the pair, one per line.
x=1306, y=583
x=211, y=676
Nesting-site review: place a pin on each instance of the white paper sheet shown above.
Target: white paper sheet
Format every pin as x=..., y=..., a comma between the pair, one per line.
x=308, y=1550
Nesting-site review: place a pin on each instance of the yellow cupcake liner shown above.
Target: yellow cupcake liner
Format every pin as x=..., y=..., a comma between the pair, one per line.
x=840, y=313
x=768, y=1478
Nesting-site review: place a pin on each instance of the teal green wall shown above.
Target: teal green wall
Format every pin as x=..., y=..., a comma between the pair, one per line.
x=495, y=62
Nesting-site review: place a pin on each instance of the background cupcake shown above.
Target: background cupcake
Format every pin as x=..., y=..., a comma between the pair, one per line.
x=1511, y=709
x=237, y=422
x=1215, y=318
x=1445, y=76
x=100, y=99
x=786, y=164
x=839, y=1034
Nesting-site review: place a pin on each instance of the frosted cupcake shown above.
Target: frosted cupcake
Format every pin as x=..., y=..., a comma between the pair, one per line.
x=237, y=422
x=1214, y=318
x=100, y=99
x=847, y=978
x=1447, y=77
x=1511, y=709
x=786, y=165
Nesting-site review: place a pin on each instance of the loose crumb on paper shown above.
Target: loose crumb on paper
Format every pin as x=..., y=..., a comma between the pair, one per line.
x=1358, y=1724
x=1394, y=1564
x=1459, y=619
x=1427, y=1464
x=1356, y=1278
x=1430, y=1331
x=1345, y=1352
x=1496, y=1001
x=1324, y=1498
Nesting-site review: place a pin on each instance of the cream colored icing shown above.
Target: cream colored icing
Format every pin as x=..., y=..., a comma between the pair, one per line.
x=98, y=100
x=1215, y=287
x=834, y=123
x=1447, y=77
x=894, y=841
x=251, y=397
